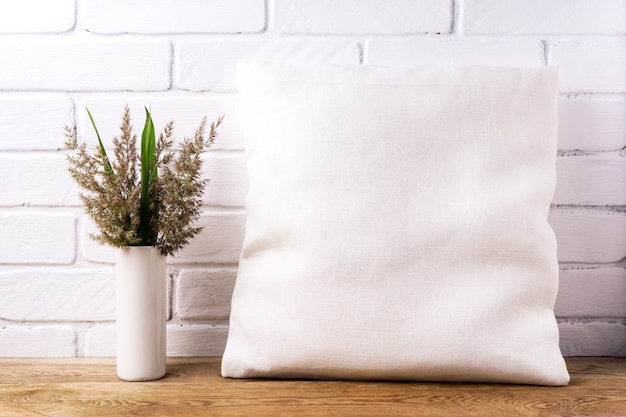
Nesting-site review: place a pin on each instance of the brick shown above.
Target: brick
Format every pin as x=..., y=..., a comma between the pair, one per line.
x=79, y=294
x=37, y=341
x=182, y=340
x=589, y=236
x=51, y=295
x=228, y=183
x=78, y=64
x=100, y=341
x=48, y=185
x=34, y=122
x=196, y=340
x=204, y=294
x=596, y=179
x=590, y=66
x=590, y=122
x=182, y=16
x=90, y=250
x=185, y=111
x=454, y=52
x=362, y=16
x=219, y=242
x=572, y=17
x=37, y=16
x=593, y=338
x=592, y=292
x=37, y=238
x=211, y=65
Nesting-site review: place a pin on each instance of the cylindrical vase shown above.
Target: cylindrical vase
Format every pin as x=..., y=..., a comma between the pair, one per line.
x=140, y=313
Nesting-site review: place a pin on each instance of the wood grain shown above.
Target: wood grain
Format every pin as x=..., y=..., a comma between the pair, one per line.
x=193, y=387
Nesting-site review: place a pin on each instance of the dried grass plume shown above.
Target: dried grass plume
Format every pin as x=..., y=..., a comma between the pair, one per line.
x=112, y=187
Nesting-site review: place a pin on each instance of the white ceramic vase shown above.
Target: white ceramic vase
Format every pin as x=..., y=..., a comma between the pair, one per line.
x=140, y=312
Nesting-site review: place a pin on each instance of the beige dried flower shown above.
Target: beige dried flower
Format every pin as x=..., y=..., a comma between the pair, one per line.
x=147, y=199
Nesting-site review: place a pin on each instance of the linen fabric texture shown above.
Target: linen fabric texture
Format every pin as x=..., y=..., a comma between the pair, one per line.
x=397, y=225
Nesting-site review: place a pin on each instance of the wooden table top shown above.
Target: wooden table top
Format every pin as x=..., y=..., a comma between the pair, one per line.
x=194, y=387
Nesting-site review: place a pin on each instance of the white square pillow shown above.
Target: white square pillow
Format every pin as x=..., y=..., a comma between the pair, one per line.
x=396, y=225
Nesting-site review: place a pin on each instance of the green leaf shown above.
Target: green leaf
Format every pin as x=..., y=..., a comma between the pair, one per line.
x=148, y=173
x=105, y=160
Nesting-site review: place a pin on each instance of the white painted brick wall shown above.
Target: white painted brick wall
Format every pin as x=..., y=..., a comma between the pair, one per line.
x=595, y=179
x=362, y=17
x=454, y=51
x=592, y=122
x=589, y=236
x=46, y=63
x=210, y=65
x=23, y=186
x=37, y=16
x=604, y=289
x=182, y=340
x=34, y=238
x=39, y=341
x=181, y=16
x=201, y=293
x=186, y=111
x=59, y=56
x=551, y=17
x=17, y=130
x=590, y=66
x=79, y=294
